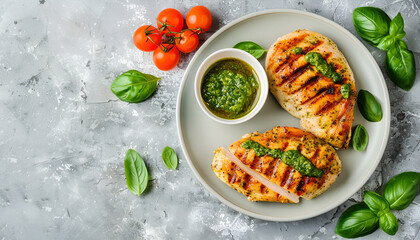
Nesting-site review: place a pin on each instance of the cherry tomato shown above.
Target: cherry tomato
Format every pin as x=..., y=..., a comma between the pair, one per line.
x=172, y=17
x=186, y=41
x=166, y=60
x=147, y=38
x=199, y=17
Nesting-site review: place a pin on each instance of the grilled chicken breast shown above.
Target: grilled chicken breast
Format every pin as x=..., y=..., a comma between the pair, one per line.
x=306, y=93
x=322, y=156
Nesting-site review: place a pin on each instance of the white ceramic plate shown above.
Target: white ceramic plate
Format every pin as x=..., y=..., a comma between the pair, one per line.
x=200, y=135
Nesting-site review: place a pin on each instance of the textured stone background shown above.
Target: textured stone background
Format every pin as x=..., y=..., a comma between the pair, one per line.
x=63, y=134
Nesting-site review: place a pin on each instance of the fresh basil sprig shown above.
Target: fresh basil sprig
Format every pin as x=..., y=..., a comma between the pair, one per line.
x=170, y=158
x=134, y=86
x=386, y=43
x=357, y=221
x=364, y=218
x=388, y=223
x=369, y=107
x=380, y=206
x=376, y=203
x=252, y=48
x=372, y=24
x=400, y=65
x=375, y=27
x=401, y=190
x=396, y=27
x=396, y=32
x=136, y=172
x=360, y=138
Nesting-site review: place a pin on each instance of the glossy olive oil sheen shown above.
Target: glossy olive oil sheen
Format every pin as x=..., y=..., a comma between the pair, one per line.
x=230, y=88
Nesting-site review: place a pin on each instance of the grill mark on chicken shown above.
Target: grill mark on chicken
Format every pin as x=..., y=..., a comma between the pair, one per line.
x=316, y=155
x=246, y=181
x=347, y=107
x=319, y=92
x=327, y=56
x=262, y=188
x=254, y=164
x=299, y=148
x=328, y=106
x=260, y=165
x=292, y=134
x=232, y=177
x=292, y=42
x=289, y=59
x=268, y=171
x=321, y=181
x=294, y=75
x=285, y=176
x=289, y=180
x=273, y=173
x=311, y=81
x=312, y=46
x=330, y=91
x=345, y=131
x=300, y=189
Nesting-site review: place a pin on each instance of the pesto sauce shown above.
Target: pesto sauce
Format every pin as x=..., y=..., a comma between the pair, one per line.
x=322, y=66
x=230, y=88
x=345, y=90
x=297, y=50
x=292, y=158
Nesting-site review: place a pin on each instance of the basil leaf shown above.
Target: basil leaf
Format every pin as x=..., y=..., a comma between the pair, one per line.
x=360, y=138
x=376, y=203
x=250, y=47
x=387, y=42
x=388, y=223
x=396, y=27
x=372, y=24
x=369, y=107
x=401, y=190
x=345, y=91
x=357, y=221
x=136, y=172
x=134, y=86
x=170, y=158
x=400, y=65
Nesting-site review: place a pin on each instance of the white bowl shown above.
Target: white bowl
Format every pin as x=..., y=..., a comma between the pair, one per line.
x=241, y=55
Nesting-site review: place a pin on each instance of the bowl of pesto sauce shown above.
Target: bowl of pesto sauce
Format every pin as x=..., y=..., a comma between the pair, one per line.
x=231, y=86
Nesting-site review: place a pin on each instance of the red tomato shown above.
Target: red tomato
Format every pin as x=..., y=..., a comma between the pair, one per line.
x=166, y=60
x=147, y=38
x=199, y=17
x=186, y=41
x=172, y=17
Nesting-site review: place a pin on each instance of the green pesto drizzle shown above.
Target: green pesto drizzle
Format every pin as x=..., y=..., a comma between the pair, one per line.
x=297, y=50
x=322, y=66
x=292, y=158
x=345, y=90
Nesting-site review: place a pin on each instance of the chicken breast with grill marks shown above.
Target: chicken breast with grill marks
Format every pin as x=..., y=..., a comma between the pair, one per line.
x=306, y=93
x=320, y=154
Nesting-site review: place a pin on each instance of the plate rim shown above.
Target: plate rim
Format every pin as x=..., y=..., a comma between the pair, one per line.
x=232, y=205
